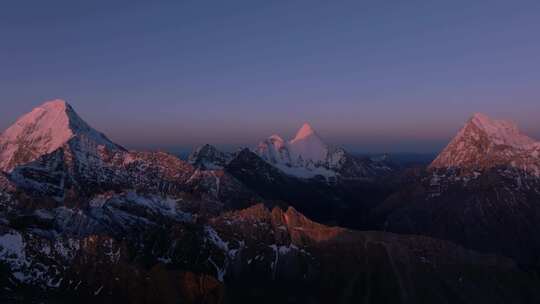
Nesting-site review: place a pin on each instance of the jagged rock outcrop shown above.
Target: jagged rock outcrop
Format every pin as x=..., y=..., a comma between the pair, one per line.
x=209, y=158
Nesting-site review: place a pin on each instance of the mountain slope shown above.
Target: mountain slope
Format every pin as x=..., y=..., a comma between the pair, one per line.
x=301, y=260
x=256, y=254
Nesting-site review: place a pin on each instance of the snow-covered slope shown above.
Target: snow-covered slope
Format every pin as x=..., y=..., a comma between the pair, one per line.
x=307, y=156
x=44, y=130
x=485, y=143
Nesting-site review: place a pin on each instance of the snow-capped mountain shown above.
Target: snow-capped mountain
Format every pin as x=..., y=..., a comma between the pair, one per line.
x=46, y=129
x=52, y=152
x=485, y=143
x=307, y=156
x=207, y=157
x=307, y=148
x=482, y=192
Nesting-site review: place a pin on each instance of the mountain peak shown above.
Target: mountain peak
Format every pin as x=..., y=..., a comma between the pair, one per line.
x=209, y=157
x=485, y=142
x=55, y=104
x=42, y=131
x=480, y=115
x=500, y=132
x=305, y=131
x=485, y=122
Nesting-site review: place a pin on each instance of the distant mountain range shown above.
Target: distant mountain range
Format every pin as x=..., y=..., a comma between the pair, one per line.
x=305, y=156
x=83, y=219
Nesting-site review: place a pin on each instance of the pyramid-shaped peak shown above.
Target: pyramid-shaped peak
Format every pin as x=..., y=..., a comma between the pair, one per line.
x=55, y=117
x=501, y=132
x=43, y=130
x=305, y=131
x=57, y=113
x=492, y=125
x=307, y=146
x=486, y=142
x=50, y=117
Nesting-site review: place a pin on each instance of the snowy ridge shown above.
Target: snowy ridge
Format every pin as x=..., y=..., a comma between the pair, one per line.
x=44, y=130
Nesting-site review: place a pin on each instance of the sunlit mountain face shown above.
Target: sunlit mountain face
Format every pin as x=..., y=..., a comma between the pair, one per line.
x=298, y=221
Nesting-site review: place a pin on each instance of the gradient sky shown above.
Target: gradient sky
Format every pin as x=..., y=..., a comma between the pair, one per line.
x=373, y=76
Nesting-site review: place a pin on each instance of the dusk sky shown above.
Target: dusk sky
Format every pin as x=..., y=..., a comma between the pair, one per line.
x=372, y=76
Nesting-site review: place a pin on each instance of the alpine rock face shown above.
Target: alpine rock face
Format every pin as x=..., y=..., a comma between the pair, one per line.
x=307, y=156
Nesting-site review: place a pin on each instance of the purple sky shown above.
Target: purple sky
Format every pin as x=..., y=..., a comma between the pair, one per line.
x=373, y=76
